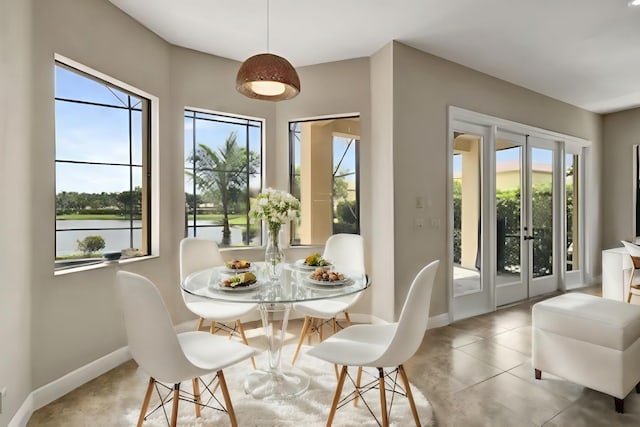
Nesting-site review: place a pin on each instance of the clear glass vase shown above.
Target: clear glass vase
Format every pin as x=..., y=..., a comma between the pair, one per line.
x=274, y=255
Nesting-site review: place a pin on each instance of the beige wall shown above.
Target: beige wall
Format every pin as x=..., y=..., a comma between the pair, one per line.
x=16, y=241
x=423, y=87
x=621, y=132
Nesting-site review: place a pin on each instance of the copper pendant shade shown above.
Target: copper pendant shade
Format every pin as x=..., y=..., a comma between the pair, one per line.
x=268, y=77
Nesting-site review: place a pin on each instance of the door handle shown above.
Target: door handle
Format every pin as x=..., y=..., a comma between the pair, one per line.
x=527, y=237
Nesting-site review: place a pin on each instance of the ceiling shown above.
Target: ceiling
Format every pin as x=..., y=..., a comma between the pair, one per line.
x=583, y=52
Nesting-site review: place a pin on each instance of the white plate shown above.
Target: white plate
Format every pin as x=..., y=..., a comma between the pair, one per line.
x=301, y=265
x=328, y=283
x=222, y=287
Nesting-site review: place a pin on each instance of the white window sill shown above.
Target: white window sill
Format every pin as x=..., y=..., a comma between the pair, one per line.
x=102, y=264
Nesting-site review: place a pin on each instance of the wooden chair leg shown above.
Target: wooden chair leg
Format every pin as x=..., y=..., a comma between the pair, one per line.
x=196, y=396
x=335, y=325
x=336, y=396
x=200, y=323
x=212, y=328
x=303, y=333
x=347, y=318
x=174, y=410
x=145, y=402
x=633, y=272
x=227, y=399
x=320, y=328
x=244, y=339
x=358, y=380
x=407, y=388
x=383, y=398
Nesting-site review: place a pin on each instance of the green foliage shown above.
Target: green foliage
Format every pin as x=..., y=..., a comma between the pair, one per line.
x=508, y=231
x=346, y=216
x=91, y=244
x=125, y=203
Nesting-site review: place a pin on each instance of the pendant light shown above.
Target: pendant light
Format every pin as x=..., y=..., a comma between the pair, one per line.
x=267, y=76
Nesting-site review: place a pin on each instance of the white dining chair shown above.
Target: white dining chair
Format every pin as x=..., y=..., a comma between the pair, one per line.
x=195, y=255
x=634, y=255
x=346, y=253
x=171, y=358
x=381, y=346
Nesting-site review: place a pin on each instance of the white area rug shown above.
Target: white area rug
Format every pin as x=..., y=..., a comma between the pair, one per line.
x=308, y=410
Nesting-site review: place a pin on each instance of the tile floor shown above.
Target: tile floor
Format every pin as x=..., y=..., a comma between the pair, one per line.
x=475, y=372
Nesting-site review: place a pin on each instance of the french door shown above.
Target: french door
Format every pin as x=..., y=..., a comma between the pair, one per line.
x=527, y=214
x=516, y=212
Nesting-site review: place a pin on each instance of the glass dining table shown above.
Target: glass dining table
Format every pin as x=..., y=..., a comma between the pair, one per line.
x=275, y=299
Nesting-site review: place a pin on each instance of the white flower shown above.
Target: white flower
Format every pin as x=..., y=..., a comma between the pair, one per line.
x=274, y=206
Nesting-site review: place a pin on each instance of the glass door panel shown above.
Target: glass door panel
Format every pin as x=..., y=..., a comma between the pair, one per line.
x=467, y=233
x=542, y=211
x=509, y=154
x=572, y=201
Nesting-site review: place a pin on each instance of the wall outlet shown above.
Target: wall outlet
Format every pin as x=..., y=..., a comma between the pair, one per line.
x=3, y=394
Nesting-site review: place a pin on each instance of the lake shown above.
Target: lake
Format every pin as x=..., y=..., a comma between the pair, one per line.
x=116, y=240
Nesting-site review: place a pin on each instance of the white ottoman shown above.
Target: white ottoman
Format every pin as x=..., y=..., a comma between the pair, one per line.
x=588, y=340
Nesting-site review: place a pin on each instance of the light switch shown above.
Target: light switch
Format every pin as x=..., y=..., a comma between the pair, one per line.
x=419, y=222
x=419, y=203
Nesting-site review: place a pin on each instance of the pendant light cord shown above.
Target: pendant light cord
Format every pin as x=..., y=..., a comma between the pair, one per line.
x=268, y=26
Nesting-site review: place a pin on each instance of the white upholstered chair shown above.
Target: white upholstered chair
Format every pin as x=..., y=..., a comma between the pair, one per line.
x=198, y=254
x=170, y=359
x=634, y=255
x=380, y=346
x=346, y=253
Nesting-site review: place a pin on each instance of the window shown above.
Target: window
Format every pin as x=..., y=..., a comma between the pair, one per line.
x=222, y=164
x=324, y=175
x=102, y=168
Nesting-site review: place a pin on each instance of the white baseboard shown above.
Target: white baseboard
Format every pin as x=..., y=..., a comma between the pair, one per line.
x=21, y=418
x=46, y=394
x=438, y=321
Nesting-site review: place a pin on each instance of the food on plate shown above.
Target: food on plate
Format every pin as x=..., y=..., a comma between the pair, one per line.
x=238, y=264
x=243, y=279
x=323, y=275
x=316, y=260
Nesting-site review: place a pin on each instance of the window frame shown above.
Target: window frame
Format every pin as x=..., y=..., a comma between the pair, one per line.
x=232, y=119
x=148, y=107
x=293, y=174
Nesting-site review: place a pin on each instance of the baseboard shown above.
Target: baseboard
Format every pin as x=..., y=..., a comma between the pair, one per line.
x=21, y=418
x=438, y=321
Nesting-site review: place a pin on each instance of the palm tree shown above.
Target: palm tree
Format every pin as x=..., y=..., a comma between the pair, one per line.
x=224, y=173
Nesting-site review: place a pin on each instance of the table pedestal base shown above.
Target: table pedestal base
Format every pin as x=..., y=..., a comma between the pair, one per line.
x=276, y=385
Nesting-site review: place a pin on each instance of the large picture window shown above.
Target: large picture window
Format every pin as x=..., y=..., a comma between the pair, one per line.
x=325, y=176
x=222, y=164
x=102, y=169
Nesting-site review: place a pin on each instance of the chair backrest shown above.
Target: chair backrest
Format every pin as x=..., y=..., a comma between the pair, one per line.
x=346, y=252
x=634, y=253
x=152, y=339
x=414, y=316
x=198, y=254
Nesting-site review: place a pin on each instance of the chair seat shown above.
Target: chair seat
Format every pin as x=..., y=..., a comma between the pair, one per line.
x=322, y=309
x=220, y=311
x=212, y=352
x=358, y=345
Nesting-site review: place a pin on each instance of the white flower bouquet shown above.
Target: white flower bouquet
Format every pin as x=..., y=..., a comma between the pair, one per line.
x=275, y=207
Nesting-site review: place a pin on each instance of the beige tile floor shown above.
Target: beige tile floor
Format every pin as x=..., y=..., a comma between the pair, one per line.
x=475, y=372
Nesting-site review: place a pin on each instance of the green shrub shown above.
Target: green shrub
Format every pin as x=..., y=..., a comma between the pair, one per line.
x=91, y=244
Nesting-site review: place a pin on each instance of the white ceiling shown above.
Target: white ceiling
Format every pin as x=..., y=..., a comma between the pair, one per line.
x=584, y=52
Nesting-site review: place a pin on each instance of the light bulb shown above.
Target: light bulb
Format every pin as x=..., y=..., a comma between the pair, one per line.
x=634, y=3
x=268, y=88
